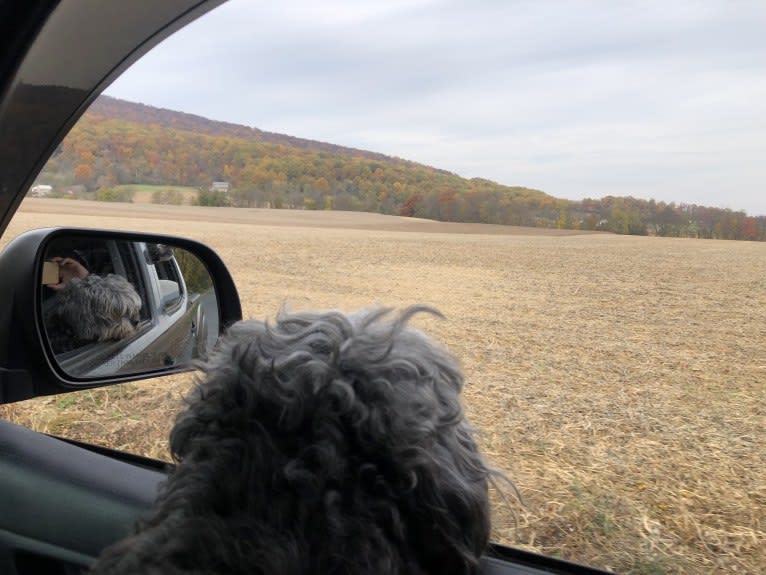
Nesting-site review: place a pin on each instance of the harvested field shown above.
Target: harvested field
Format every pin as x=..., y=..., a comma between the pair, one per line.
x=619, y=381
x=144, y=194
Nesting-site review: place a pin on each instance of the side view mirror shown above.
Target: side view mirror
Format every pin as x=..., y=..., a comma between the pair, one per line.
x=113, y=306
x=98, y=307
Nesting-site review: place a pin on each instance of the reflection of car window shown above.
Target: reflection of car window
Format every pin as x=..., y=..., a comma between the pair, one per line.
x=170, y=284
x=195, y=274
x=129, y=263
x=93, y=254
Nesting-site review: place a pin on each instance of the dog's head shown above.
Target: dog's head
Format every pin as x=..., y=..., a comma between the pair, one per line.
x=97, y=308
x=324, y=443
x=156, y=253
x=348, y=433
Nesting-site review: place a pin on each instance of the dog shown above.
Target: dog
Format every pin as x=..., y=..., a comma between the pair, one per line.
x=92, y=309
x=158, y=253
x=325, y=443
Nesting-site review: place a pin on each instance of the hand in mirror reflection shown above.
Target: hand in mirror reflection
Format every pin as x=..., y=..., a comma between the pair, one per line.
x=68, y=269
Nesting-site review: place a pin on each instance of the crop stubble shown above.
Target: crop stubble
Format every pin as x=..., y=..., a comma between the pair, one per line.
x=619, y=381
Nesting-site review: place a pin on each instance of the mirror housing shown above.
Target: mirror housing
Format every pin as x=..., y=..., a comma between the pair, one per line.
x=29, y=366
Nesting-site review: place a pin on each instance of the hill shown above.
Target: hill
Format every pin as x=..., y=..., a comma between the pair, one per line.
x=118, y=145
x=142, y=114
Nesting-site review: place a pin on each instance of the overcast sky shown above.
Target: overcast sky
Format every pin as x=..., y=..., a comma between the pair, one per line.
x=663, y=100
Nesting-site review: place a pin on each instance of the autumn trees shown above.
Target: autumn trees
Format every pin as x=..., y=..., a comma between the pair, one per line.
x=119, y=143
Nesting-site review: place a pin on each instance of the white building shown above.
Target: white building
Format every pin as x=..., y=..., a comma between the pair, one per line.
x=40, y=191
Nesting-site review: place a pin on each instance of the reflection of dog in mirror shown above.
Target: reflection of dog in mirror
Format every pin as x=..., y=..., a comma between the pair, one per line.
x=159, y=253
x=90, y=309
x=325, y=443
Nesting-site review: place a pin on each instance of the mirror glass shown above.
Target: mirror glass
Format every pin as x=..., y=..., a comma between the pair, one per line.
x=119, y=307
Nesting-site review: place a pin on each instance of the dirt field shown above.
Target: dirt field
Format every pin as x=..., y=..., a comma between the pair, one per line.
x=619, y=381
x=144, y=194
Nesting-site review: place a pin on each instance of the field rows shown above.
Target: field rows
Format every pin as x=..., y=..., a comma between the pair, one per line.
x=619, y=381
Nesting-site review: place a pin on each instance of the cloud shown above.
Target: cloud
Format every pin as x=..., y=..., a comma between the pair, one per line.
x=577, y=98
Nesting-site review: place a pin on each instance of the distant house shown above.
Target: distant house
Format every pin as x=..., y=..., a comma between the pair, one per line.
x=40, y=191
x=220, y=187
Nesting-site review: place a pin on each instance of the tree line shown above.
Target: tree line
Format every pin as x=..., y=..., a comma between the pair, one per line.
x=103, y=152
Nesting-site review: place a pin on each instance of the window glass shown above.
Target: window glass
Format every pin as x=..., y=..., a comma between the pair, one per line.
x=564, y=181
x=169, y=283
x=134, y=275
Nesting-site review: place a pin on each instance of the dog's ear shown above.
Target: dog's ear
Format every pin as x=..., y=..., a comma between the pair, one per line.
x=447, y=512
x=226, y=399
x=201, y=420
x=414, y=433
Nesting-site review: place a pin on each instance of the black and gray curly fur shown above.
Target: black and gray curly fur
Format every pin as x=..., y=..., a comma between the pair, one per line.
x=324, y=444
x=90, y=309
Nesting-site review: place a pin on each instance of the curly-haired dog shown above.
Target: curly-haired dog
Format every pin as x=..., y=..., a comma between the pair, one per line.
x=322, y=444
x=92, y=308
x=158, y=253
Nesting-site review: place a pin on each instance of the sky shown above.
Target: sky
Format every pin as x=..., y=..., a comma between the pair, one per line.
x=663, y=100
